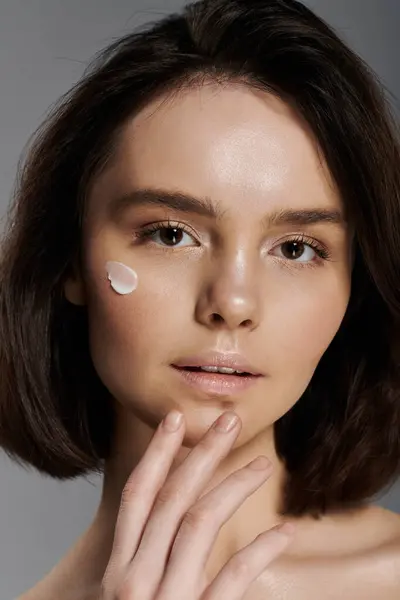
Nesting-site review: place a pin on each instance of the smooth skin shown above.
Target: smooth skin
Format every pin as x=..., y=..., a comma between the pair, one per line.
x=164, y=532
x=228, y=284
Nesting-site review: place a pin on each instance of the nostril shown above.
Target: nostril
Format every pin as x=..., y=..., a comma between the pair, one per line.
x=216, y=318
x=246, y=323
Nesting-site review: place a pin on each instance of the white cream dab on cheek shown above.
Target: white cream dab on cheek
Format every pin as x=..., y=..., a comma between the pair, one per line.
x=123, y=279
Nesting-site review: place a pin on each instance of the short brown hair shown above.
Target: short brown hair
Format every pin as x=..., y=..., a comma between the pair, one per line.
x=340, y=442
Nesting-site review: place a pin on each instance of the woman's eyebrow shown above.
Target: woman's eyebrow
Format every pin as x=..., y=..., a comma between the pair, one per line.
x=204, y=206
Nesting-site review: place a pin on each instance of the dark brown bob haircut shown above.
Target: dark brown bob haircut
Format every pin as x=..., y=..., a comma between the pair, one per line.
x=340, y=442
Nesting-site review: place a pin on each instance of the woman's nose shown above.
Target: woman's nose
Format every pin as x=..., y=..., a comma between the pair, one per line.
x=230, y=298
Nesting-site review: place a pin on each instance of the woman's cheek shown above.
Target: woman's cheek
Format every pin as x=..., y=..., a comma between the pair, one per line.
x=314, y=323
x=130, y=304
x=132, y=332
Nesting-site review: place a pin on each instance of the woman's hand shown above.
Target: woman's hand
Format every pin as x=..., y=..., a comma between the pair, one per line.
x=165, y=532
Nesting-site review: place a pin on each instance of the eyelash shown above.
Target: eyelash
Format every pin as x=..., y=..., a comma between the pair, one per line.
x=322, y=252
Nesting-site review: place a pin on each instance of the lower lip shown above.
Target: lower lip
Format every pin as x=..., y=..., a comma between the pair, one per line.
x=218, y=383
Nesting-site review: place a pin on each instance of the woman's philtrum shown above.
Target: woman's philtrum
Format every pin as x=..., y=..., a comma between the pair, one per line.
x=123, y=279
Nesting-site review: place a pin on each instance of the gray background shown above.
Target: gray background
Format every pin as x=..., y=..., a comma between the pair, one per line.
x=44, y=48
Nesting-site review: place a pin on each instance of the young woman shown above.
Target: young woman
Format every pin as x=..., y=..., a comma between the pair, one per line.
x=207, y=224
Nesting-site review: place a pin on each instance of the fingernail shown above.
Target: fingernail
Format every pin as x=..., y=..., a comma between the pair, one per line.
x=173, y=420
x=260, y=463
x=226, y=422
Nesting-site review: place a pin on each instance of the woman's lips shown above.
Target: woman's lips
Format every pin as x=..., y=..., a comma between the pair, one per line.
x=217, y=383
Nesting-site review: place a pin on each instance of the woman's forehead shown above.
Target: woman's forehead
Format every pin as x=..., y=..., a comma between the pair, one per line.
x=209, y=146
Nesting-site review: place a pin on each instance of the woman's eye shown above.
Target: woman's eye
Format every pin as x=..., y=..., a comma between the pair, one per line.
x=171, y=236
x=294, y=251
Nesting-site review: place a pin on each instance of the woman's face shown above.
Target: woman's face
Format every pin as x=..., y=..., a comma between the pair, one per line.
x=237, y=281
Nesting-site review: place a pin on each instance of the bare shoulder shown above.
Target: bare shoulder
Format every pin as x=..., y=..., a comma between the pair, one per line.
x=31, y=594
x=45, y=592
x=388, y=523
x=386, y=555
x=47, y=589
x=38, y=593
x=394, y=520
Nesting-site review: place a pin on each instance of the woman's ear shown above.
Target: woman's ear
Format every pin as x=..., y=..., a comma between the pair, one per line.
x=74, y=288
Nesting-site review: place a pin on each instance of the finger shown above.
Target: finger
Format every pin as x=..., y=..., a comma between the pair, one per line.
x=201, y=524
x=236, y=576
x=138, y=498
x=177, y=495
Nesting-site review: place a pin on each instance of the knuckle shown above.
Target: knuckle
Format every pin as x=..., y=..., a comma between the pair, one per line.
x=130, y=490
x=208, y=451
x=105, y=586
x=167, y=495
x=104, y=591
x=126, y=591
x=197, y=517
x=239, y=566
x=208, y=443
